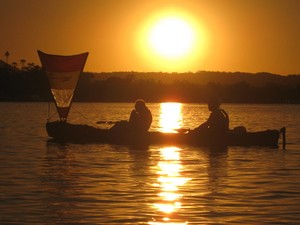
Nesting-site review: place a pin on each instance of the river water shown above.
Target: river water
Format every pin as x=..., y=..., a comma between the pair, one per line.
x=48, y=183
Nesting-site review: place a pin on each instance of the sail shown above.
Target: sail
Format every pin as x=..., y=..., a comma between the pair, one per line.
x=63, y=74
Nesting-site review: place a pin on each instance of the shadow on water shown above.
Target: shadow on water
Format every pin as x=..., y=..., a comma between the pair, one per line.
x=208, y=170
x=216, y=167
x=59, y=182
x=140, y=160
x=96, y=183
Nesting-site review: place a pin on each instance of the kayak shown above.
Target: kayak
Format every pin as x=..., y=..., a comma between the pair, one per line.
x=79, y=133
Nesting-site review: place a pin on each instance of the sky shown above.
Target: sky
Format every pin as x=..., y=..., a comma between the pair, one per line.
x=158, y=35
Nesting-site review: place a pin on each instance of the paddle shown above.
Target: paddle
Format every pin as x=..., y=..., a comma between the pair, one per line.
x=182, y=130
x=107, y=122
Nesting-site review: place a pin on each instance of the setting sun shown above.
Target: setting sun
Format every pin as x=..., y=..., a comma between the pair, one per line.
x=172, y=40
x=172, y=37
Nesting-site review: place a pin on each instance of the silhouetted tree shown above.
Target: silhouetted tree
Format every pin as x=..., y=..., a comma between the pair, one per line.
x=6, y=54
x=30, y=84
x=14, y=64
x=22, y=62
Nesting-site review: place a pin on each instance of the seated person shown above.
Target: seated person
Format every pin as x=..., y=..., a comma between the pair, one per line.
x=218, y=121
x=140, y=117
x=139, y=121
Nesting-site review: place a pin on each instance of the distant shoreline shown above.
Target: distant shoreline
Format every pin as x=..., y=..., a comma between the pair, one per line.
x=31, y=85
x=131, y=102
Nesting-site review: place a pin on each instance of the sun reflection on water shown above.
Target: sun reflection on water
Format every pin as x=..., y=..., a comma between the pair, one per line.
x=169, y=180
x=170, y=117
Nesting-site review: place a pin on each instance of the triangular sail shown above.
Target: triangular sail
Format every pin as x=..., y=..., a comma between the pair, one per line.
x=63, y=74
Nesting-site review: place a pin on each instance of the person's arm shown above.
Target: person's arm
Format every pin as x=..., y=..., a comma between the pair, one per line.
x=202, y=126
x=226, y=116
x=132, y=117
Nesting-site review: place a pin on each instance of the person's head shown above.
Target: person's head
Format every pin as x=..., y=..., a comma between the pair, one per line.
x=140, y=105
x=213, y=103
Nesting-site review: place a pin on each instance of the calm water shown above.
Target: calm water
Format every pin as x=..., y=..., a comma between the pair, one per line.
x=47, y=183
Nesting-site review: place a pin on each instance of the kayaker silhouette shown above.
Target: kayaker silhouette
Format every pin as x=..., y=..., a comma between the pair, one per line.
x=217, y=125
x=140, y=117
x=139, y=121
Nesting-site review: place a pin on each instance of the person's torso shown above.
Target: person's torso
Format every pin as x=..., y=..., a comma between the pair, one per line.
x=218, y=121
x=141, y=121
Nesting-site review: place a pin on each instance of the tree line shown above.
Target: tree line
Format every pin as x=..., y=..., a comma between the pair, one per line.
x=31, y=84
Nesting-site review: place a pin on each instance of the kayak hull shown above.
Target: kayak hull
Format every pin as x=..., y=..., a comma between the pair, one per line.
x=77, y=133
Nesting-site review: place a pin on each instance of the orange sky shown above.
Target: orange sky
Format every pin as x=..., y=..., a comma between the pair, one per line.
x=233, y=35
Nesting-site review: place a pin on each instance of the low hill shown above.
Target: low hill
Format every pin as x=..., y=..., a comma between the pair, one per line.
x=204, y=77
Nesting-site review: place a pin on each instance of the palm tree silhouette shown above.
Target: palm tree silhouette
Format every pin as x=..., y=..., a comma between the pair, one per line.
x=22, y=61
x=6, y=55
x=14, y=64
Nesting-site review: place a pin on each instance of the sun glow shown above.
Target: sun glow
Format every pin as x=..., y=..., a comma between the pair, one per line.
x=172, y=37
x=172, y=40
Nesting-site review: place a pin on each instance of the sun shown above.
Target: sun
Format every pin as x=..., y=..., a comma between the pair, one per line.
x=171, y=40
x=171, y=37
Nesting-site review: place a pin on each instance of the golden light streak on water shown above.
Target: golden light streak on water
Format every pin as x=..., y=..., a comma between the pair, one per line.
x=167, y=223
x=170, y=117
x=169, y=180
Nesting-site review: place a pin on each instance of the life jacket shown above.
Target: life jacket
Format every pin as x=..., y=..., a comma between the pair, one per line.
x=226, y=117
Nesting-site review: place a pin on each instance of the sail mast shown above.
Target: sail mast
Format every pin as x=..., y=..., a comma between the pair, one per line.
x=63, y=75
